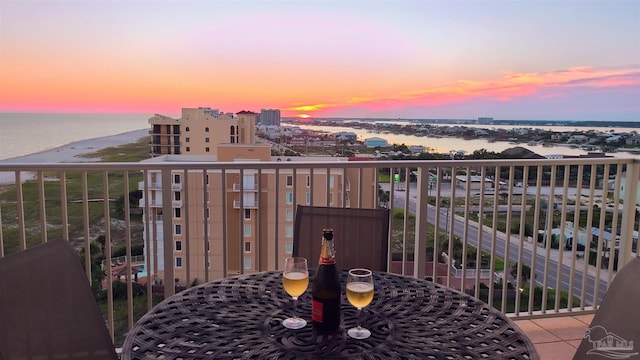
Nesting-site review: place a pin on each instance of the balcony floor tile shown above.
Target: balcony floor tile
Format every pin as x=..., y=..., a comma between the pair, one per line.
x=556, y=338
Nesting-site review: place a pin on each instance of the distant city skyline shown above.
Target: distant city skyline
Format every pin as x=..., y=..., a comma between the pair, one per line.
x=517, y=60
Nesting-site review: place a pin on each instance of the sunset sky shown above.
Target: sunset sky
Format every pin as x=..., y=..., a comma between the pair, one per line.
x=565, y=60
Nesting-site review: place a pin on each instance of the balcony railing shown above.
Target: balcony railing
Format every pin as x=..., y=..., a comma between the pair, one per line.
x=245, y=187
x=252, y=204
x=526, y=245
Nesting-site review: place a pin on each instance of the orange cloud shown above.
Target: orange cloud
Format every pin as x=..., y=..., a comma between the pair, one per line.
x=511, y=85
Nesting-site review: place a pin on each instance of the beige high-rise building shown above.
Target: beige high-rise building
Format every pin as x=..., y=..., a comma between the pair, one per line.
x=193, y=133
x=255, y=209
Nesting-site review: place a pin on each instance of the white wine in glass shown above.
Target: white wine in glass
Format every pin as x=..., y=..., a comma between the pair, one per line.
x=360, y=295
x=295, y=281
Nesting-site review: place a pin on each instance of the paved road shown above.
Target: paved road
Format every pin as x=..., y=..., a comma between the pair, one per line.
x=510, y=252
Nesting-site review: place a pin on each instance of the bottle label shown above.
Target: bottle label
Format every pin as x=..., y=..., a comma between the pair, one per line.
x=317, y=311
x=326, y=260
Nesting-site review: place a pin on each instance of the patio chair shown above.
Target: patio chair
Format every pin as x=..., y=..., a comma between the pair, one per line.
x=614, y=331
x=361, y=235
x=47, y=308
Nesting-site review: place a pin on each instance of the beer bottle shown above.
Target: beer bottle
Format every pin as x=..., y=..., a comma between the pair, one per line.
x=326, y=289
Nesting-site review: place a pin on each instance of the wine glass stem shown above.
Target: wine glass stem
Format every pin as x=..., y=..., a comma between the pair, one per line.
x=295, y=307
x=358, y=317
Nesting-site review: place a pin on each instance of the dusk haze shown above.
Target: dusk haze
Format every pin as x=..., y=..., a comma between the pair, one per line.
x=529, y=60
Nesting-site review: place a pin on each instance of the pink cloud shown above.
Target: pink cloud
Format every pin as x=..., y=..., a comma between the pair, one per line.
x=504, y=89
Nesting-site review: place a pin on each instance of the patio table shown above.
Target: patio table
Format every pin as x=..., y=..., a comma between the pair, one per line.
x=240, y=318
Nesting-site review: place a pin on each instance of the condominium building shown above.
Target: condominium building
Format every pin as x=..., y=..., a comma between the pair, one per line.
x=269, y=117
x=199, y=131
x=245, y=211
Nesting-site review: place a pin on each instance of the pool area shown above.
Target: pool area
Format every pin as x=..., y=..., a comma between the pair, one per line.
x=143, y=270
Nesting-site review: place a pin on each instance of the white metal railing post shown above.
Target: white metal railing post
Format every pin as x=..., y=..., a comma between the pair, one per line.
x=628, y=217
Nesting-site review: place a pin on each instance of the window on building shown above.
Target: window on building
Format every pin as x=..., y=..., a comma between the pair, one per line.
x=206, y=179
x=187, y=139
x=247, y=230
x=289, y=180
x=247, y=214
x=206, y=149
x=206, y=140
x=308, y=197
x=186, y=129
x=247, y=246
x=207, y=213
x=177, y=213
x=178, y=262
x=288, y=231
x=176, y=178
x=331, y=181
x=233, y=134
x=289, y=214
x=178, y=229
x=176, y=195
x=308, y=180
x=288, y=247
x=178, y=245
x=247, y=262
x=188, y=148
x=289, y=199
x=206, y=129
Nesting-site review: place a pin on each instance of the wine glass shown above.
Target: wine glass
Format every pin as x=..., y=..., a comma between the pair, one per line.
x=359, y=294
x=295, y=280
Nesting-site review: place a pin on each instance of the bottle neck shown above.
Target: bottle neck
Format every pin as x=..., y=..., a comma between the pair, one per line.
x=328, y=253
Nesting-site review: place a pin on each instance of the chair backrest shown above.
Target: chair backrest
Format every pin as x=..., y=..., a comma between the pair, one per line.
x=614, y=331
x=361, y=235
x=47, y=308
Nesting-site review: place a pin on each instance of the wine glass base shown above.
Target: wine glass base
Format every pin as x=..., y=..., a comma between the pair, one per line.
x=359, y=333
x=294, y=323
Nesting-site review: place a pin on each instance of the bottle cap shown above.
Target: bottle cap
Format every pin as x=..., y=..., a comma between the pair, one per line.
x=327, y=233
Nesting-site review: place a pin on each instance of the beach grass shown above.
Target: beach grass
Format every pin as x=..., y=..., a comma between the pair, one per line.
x=133, y=152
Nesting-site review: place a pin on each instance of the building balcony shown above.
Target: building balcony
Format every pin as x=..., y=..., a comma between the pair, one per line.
x=253, y=204
x=501, y=235
x=245, y=187
x=153, y=185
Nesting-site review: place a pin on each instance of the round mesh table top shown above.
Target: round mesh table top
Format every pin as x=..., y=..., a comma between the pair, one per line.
x=240, y=318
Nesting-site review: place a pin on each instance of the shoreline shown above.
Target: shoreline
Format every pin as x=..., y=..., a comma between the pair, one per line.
x=71, y=153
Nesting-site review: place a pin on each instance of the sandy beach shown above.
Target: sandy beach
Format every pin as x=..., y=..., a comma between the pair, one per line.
x=72, y=152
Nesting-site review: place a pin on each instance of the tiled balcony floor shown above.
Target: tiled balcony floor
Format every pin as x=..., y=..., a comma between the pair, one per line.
x=556, y=338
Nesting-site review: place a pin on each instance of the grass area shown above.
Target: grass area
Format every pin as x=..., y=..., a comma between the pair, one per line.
x=133, y=152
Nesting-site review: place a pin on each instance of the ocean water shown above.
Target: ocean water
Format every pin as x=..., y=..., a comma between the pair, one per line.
x=23, y=134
